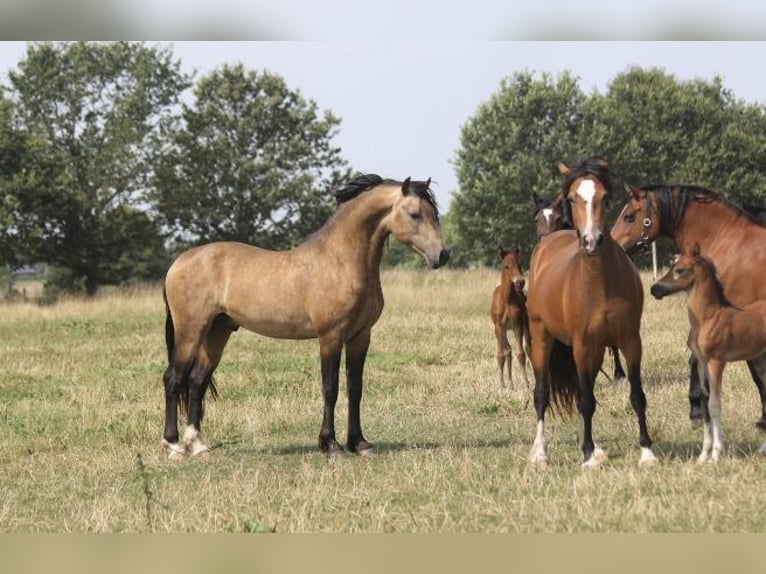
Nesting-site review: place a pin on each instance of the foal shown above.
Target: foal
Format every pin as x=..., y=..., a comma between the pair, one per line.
x=509, y=311
x=720, y=333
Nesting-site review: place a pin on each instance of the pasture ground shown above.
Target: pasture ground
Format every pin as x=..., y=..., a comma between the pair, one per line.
x=81, y=414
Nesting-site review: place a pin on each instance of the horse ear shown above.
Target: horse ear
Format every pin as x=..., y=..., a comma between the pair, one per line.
x=501, y=252
x=634, y=190
x=517, y=252
x=428, y=182
x=696, y=249
x=406, y=186
x=563, y=168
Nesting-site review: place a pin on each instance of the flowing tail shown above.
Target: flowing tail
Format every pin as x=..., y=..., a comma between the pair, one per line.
x=564, y=382
x=170, y=336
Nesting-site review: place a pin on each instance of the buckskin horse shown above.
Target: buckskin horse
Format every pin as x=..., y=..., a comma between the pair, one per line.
x=508, y=310
x=327, y=287
x=724, y=232
x=584, y=295
x=720, y=333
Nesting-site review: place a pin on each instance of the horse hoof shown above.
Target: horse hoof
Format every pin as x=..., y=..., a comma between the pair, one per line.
x=647, y=458
x=592, y=464
x=600, y=455
x=175, y=451
x=363, y=448
x=761, y=424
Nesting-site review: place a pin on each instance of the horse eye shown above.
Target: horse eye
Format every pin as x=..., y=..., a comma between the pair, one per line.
x=630, y=217
x=416, y=216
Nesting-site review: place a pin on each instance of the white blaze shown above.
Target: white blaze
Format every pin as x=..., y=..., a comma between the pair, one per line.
x=587, y=191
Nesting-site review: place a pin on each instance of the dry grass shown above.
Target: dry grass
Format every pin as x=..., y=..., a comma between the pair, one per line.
x=81, y=420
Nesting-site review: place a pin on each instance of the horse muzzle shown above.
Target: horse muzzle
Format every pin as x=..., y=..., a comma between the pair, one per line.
x=592, y=244
x=658, y=290
x=443, y=258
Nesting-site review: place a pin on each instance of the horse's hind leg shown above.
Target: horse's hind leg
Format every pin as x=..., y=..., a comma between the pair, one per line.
x=356, y=353
x=758, y=375
x=619, y=373
x=200, y=378
x=176, y=384
x=697, y=393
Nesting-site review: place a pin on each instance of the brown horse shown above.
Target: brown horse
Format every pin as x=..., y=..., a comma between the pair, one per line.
x=691, y=214
x=550, y=216
x=508, y=310
x=328, y=288
x=720, y=333
x=585, y=295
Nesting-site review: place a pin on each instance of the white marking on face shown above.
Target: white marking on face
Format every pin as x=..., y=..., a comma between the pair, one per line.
x=548, y=215
x=587, y=191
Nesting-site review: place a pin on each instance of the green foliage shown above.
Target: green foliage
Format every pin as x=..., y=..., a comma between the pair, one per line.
x=509, y=150
x=90, y=117
x=252, y=161
x=652, y=127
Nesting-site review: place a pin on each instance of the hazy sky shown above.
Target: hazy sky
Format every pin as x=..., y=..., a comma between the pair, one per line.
x=402, y=104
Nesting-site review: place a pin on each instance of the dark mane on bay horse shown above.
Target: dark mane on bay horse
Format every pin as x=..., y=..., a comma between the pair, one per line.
x=326, y=288
x=724, y=231
x=586, y=266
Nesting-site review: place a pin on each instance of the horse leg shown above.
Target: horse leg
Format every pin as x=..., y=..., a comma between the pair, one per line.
x=176, y=381
x=758, y=366
x=540, y=356
x=619, y=373
x=715, y=376
x=521, y=357
x=200, y=378
x=356, y=353
x=707, y=430
x=633, y=354
x=697, y=394
x=330, y=348
x=758, y=377
x=502, y=350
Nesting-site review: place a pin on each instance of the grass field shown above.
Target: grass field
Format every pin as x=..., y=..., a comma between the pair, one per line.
x=81, y=414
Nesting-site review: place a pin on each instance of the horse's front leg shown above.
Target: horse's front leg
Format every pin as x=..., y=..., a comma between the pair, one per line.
x=521, y=356
x=541, y=350
x=330, y=349
x=356, y=353
x=633, y=351
x=586, y=357
x=715, y=376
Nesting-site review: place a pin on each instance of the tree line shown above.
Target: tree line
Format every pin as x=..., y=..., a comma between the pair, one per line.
x=112, y=159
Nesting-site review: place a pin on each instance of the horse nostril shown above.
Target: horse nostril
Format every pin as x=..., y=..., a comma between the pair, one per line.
x=443, y=257
x=600, y=239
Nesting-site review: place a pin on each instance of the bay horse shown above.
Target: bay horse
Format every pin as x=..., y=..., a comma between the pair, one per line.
x=720, y=333
x=550, y=216
x=688, y=214
x=508, y=310
x=327, y=287
x=584, y=295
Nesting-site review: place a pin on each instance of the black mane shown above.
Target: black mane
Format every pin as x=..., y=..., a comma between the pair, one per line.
x=673, y=198
x=362, y=182
x=590, y=166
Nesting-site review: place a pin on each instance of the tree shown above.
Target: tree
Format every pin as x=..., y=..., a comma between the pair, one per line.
x=509, y=150
x=252, y=162
x=93, y=116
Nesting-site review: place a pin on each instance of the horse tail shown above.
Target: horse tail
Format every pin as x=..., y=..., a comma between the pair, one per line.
x=170, y=333
x=184, y=383
x=564, y=382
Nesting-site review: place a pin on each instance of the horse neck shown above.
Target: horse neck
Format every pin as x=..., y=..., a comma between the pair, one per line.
x=705, y=297
x=686, y=228
x=358, y=229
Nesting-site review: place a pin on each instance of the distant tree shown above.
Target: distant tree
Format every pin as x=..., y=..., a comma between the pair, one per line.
x=92, y=116
x=509, y=150
x=657, y=129
x=253, y=161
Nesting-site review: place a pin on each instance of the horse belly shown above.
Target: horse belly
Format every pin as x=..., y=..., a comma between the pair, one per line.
x=277, y=325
